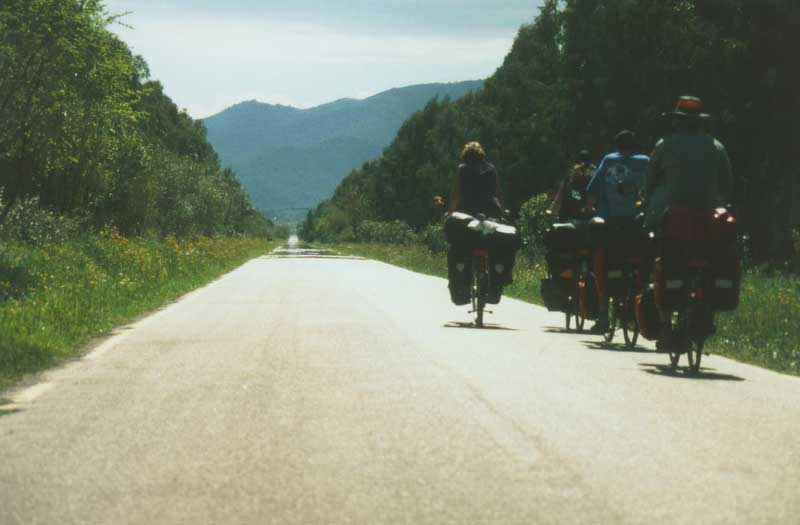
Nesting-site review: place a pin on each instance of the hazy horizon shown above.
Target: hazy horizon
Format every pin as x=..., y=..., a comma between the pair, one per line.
x=302, y=54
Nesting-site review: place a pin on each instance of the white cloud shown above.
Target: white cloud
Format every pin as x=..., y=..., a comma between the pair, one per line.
x=208, y=63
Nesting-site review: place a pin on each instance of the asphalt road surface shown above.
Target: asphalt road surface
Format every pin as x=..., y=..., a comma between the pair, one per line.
x=324, y=390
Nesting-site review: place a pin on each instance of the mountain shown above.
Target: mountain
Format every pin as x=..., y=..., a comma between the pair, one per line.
x=291, y=159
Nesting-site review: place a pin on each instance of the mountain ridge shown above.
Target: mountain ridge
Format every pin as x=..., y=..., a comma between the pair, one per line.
x=288, y=157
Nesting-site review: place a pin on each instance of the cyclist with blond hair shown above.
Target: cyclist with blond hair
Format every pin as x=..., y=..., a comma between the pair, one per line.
x=475, y=192
x=475, y=186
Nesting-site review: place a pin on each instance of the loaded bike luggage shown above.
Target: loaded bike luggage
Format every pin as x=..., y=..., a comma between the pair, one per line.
x=697, y=272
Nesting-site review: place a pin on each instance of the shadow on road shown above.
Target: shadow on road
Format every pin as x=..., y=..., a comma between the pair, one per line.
x=8, y=411
x=615, y=347
x=703, y=375
x=486, y=326
x=7, y=408
x=561, y=330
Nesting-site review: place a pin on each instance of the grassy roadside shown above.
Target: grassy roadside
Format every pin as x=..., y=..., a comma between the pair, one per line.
x=55, y=298
x=764, y=330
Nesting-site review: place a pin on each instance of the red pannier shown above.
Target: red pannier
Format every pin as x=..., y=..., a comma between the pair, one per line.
x=702, y=239
x=625, y=245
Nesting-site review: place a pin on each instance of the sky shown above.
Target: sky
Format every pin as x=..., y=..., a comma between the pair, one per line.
x=211, y=54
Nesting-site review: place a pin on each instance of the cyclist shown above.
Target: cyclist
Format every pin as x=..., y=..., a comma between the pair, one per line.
x=475, y=186
x=475, y=191
x=688, y=168
x=570, y=200
x=615, y=190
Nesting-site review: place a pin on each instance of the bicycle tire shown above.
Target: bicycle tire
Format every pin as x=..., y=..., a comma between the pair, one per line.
x=479, y=291
x=580, y=321
x=608, y=336
x=630, y=325
x=695, y=354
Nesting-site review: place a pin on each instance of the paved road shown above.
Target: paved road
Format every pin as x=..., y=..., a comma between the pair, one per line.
x=304, y=390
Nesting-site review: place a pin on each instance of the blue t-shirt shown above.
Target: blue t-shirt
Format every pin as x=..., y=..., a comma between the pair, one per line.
x=618, y=183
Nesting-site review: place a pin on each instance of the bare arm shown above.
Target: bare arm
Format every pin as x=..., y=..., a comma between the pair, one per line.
x=653, y=174
x=455, y=195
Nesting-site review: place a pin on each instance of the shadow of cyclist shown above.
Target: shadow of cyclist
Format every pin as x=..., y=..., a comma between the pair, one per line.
x=680, y=373
x=486, y=326
x=615, y=347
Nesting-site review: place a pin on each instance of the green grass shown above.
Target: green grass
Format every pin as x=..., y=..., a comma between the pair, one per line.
x=56, y=298
x=764, y=330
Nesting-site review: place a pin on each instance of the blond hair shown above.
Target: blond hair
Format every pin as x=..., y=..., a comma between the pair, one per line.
x=472, y=152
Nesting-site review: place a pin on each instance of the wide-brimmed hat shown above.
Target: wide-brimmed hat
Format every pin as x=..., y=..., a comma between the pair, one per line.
x=688, y=106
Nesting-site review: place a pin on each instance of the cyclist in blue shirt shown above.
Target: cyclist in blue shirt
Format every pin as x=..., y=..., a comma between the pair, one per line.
x=618, y=182
x=614, y=190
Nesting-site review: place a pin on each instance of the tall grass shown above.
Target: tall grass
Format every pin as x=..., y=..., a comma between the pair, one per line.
x=764, y=330
x=56, y=297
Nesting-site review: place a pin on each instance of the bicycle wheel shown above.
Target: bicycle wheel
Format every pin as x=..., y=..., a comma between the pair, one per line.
x=479, y=290
x=673, y=361
x=613, y=315
x=580, y=320
x=695, y=354
x=630, y=325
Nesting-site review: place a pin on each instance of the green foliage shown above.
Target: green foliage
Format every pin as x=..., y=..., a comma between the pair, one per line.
x=393, y=232
x=433, y=238
x=29, y=223
x=87, y=134
x=583, y=70
x=57, y=296
x=765, y=329
x=533, y=222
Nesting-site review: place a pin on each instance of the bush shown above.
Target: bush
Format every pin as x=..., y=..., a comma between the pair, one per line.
x=432, y=236
x=533, y=222
x=29, y=223
x=394, y=232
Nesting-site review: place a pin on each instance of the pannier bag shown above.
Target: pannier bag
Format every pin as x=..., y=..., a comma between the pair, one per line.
x=560, y=264
x=565, y=237
x=616, y=284
x=588, y=297
x=706, y=226
x=459, y=272
x=690, y=235
x=554, y=295
x=725, y=285
x=670, y=281
x=647, y=316
x=464, y=232
x=456, y=229
x=506, y=238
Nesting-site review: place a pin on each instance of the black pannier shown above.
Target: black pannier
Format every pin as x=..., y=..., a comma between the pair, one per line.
x=459, y=271
x=554, y=294
x=502, y=244
x=564, y=237
x=647, y=315
x=456, y=230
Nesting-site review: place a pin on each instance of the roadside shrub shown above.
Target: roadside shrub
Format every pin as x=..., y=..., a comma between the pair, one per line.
x=533, y=222
x=432, y=236
x=28, y=222
x=394, y=232
x=796, y=248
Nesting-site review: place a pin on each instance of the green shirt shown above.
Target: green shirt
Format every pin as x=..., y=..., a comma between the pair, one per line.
x=687, y=169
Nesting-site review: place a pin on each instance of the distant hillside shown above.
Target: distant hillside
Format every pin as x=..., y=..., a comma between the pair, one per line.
x=291, y=158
